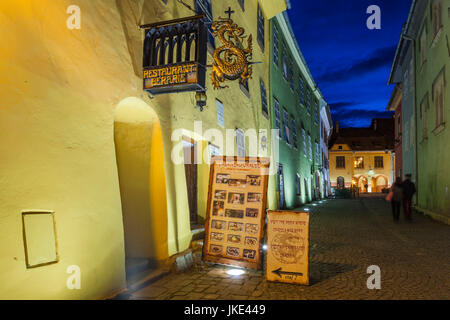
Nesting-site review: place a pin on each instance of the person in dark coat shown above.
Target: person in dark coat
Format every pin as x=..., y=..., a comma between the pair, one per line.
x=409, y=189
x=397, y=190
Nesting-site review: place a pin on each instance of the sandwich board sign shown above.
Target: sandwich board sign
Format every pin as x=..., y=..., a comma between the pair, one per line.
x=234, y=227
x=287, y=258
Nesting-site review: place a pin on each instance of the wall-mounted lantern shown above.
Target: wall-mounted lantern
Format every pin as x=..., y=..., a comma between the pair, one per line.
x=200, y=99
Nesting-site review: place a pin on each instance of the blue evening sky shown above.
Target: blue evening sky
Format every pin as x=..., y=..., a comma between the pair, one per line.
x=350, y=63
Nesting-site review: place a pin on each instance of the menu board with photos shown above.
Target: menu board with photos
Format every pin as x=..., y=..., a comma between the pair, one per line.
x=236, y=211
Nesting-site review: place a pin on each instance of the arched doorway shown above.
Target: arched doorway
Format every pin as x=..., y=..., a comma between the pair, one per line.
x=363, y=184
x=340, y=183
x=381, y=182
x=318, y=193
x=140, y=164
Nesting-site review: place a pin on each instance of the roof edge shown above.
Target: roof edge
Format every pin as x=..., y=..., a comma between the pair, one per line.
x=400, y=42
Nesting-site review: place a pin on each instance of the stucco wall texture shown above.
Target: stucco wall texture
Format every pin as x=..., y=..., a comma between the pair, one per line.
x=60, y=91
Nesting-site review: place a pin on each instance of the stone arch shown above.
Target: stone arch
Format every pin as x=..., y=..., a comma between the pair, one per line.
x=362, y=182
x=340, y=182
x=380, y=182
x=142, y=180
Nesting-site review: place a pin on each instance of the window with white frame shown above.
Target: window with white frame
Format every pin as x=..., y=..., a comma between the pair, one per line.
x=308, y=100
x=359, y=162
x=316, y=112
x=436, y=17
x=438, y=97
x=305, y=152
x=276, y=107
x=423, y=44
x=214, y=150
x=220, y=114
x=301, y=89
x=287, y=133
x=317, y=154
x=260, y=19
x=265, y=110
x=310, y=147
x=285, y=66
x=340, y=162
x=424, y=106
x=294, y=132
x=379, y=162
x=240, y=143
x=275, y=45
x=291, y=73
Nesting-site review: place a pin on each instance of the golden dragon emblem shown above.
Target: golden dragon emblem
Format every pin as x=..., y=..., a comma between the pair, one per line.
x=231, y=60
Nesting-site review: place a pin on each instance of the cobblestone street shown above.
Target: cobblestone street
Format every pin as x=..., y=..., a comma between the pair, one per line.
x=346, y=237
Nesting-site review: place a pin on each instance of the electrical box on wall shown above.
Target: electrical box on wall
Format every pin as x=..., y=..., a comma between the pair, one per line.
x=39, y=238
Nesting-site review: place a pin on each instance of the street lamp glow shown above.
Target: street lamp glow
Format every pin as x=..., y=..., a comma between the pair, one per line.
x=235, y=272
x=306, y=209
x=264, y=247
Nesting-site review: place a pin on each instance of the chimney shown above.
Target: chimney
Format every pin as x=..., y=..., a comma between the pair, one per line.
x=337, y=127
x=375, y=125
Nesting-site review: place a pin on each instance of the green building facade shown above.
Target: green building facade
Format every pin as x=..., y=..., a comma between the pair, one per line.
x=432, y=68
x=295, y=111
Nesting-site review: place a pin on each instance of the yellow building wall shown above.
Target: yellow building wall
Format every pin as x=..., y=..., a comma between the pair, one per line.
x=350, y=173
x=60, y=90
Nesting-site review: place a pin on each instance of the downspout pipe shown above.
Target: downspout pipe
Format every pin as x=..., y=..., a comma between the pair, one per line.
x=416, y=160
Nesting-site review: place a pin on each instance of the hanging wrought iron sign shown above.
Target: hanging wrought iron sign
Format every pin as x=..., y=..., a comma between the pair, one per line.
x=174, y=58
x=231, y=60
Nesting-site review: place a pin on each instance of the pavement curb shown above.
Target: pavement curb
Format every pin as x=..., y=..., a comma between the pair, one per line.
x=433, y=215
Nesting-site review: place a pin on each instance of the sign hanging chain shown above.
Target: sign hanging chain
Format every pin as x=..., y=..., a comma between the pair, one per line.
x=187, y=6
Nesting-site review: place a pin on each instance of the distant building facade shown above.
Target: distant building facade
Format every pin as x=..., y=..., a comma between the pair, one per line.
x=395, y=104
x=326, y=127
x=295, y=113
x=363, y=157
x=421, y=65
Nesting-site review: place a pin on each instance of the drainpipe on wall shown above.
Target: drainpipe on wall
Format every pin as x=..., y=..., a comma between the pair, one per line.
x=416, y=167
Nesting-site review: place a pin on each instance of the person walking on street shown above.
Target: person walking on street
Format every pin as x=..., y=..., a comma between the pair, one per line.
x=397, y=191
x=409, y=189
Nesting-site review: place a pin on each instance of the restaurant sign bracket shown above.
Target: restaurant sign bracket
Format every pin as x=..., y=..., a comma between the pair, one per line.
x=231, y=60
x=174, y=55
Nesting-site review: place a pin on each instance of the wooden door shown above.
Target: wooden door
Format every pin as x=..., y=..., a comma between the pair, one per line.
x=190, y=167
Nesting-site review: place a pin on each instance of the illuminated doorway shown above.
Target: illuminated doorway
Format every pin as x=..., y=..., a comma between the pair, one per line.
x=340, y=183
x=363, y=185
x=141, y=173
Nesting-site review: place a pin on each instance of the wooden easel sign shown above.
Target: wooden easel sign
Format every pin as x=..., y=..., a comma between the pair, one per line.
x=236, y=208
x=287, y=258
